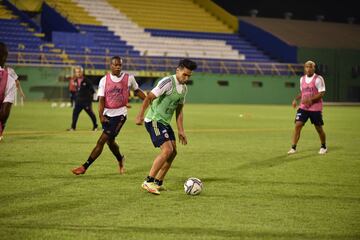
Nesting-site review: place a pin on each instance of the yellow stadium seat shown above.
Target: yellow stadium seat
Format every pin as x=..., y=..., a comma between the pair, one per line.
x=73, y=12
x=164, y=14
x=5, y=13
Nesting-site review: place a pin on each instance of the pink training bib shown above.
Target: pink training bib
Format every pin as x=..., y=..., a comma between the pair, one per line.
x=116, y=93
x=3, y=83
x=308, y=90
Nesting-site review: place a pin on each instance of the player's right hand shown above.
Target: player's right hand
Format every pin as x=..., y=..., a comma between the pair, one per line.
x=294, y=104
x=103, y=119
x=139, y=120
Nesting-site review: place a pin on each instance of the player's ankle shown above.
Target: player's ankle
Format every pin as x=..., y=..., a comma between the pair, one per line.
x=150, y=179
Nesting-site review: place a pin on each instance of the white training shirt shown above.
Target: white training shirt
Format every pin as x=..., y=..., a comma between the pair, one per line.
x=10, y=89
x=319, y=82
x=132, y=84
x=165, y=86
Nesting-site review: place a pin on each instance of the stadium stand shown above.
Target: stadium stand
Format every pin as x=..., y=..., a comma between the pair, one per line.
x=97, y=30
x=73, y=12
x=24, y=43
x=92, y=44
x=5, y=13
x=183, y=15
x=148, y=45
x=237, y=42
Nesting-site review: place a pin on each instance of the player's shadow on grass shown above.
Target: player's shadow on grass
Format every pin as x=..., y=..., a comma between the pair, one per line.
x=283, y=159
x=216, y=179
x=15, y=164
x=38, y=209
x=273, y=161
x=37, y=192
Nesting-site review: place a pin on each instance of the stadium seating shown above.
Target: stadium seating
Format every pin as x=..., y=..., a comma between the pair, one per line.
x=101, y=44
x=148, y=45
x=235, y=41
x=73, y=12
x=25, y=41
x=183, y=15
x=104, y=30
x=5, y=13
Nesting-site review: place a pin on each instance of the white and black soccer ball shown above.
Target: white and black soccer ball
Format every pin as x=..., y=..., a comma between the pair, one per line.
x=193, y=186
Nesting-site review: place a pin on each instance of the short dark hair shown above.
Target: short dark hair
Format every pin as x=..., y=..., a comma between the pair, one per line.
x=187, y=63
x=116, y=58
x=3, y=53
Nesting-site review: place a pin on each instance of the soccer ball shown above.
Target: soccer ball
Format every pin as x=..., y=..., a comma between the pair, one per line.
x=193, y=186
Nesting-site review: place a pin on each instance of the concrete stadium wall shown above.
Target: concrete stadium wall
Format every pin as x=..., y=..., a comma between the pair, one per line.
x=49, y=83
x=43, y=83
x=242, y=89
x=342, y=83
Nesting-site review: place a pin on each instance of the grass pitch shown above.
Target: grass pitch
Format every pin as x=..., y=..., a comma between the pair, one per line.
x=252, y=189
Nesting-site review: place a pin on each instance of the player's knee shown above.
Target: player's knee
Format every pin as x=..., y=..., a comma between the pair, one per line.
x=168, y=151
x=174, y=153
x=298, y=127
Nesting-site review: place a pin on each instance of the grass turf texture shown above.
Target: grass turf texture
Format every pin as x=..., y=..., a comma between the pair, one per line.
x=252, y=189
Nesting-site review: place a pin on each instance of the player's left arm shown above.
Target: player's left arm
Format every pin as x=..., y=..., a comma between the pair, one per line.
x=180, y=124
x=19, y=88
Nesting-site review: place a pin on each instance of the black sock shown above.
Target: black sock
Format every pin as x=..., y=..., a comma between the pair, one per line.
x=293, y=146
x=88, y=162
x=159, y=182
x=150, y=179
x=119, y=157
x=323, y=145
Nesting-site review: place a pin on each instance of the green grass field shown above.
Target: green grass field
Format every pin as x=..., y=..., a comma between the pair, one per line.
x=252, y=189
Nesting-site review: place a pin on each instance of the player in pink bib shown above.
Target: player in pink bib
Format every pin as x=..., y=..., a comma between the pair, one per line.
x=3, y=113
x=7, y=88
x=113, y=95
x=312, y=88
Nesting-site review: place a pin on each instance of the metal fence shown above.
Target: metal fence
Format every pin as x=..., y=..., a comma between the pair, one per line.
x=154, y=64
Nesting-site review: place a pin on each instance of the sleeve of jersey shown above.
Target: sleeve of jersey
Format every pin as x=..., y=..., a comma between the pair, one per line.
x=162, y=87
x=320, y=84
x=133, y=84
x=10, y=91
x=12, y=74
x=101, y=90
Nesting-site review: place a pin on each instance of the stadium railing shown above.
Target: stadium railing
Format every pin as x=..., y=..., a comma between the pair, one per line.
x=154, y=64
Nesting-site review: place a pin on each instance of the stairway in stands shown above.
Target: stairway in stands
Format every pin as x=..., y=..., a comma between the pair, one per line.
x=25, y=41
x=103, y=42
x=149, y=45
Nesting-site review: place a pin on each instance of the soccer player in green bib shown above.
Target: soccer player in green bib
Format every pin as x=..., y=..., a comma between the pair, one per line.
x=164, y=100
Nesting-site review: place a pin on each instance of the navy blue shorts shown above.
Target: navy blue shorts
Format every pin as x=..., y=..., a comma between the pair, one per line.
x=159, y=132
x=315, y=117
x=113, y=127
